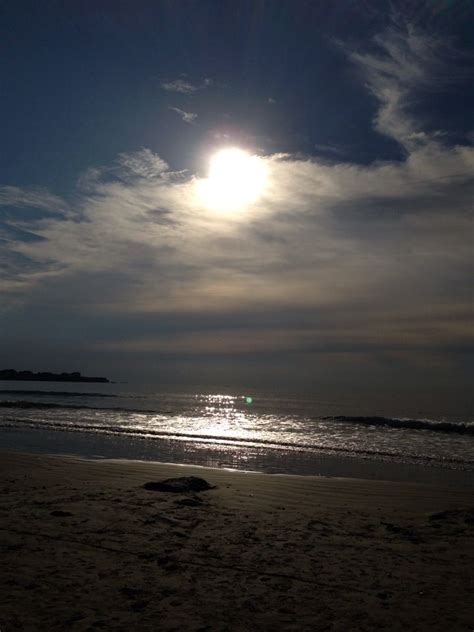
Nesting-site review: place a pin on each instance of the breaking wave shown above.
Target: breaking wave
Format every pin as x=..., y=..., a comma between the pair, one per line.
x=411, y=424
x=460, y=428
x=149, y=433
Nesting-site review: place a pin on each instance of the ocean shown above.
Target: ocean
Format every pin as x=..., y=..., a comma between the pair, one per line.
x=256, y=431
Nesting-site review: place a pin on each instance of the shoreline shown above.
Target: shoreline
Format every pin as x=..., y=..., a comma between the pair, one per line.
x=86, y=547
x=137, y=469
x=263, y=459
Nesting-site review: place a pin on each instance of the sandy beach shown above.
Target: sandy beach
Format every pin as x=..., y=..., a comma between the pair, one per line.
x=86, y=547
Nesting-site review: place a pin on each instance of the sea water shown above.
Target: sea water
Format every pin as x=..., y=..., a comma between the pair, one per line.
x=263, y=431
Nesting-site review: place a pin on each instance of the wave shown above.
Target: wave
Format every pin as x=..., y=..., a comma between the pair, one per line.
x=410, y=424
x=259, y=443
x=464, y=428
x=27, y=405
x=54, y=393
x=24, y=405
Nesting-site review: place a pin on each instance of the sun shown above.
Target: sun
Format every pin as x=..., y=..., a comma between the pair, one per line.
x=236, y=179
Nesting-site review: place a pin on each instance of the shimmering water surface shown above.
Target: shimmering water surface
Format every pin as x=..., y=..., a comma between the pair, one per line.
x=234, y=423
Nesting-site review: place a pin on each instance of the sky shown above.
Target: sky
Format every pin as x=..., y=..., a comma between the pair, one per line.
x=350, y=272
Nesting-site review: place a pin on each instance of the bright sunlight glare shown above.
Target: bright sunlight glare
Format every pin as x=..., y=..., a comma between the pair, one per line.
x=235, y=180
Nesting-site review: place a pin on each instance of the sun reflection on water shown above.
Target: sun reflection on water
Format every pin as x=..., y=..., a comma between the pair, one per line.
x=224, y=416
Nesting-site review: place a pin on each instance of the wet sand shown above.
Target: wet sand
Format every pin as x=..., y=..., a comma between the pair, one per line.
x=85, y=547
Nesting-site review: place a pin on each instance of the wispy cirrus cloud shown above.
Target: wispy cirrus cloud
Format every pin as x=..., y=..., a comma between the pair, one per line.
x=33, y=197
x=186, y=117
x=183, y=86
x=331, y=149
x=406, y=66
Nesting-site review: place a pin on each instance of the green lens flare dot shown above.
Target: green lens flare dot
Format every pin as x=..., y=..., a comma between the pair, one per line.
x=248, y=400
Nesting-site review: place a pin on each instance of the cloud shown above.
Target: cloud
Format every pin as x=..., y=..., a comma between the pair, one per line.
x=334, y=149
x=338, y=259
x=186, y=87
x=377, y=248
x=187, y=117
x=31, y=197
x=408, y=64
x=142, y=164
